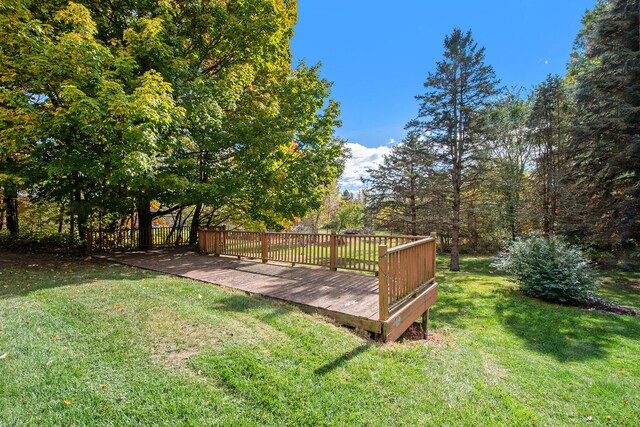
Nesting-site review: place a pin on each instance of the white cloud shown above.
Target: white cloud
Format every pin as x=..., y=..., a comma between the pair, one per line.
x=362, y=158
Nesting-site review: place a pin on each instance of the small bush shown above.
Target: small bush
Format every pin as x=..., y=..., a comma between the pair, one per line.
x=550, y=269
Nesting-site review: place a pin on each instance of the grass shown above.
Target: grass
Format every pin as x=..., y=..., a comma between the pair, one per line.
x=127, y=346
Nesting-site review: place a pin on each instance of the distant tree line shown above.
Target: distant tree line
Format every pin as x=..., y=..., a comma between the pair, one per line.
x=121, y=113
x=482, y=163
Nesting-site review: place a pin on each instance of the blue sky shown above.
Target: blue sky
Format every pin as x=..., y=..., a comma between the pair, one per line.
x=378, y=53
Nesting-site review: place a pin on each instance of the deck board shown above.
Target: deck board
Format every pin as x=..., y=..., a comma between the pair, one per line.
x=350, y=298
x=351, y=294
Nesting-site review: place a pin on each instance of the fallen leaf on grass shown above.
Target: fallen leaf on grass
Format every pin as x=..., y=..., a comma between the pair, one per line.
x=67, y=402
x=589, y=418
x=4, y=356
x=104, y=387
x=620, y=372
x=103, y=299
x=54, y=337
x=229, y=334
x=49, y=362
x=116, y=307
x=104, y=408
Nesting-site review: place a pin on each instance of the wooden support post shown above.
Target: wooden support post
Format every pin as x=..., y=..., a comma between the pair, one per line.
x=265, y=247
x=89, y=235
x=425, y=324
x=383, y=289
x=333, y=251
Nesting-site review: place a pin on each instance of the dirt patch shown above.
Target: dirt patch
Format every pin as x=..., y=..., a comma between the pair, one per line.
x=179, y=357
x=175, y=340
x=605, y=306
x=491, y=368
x=413, y=335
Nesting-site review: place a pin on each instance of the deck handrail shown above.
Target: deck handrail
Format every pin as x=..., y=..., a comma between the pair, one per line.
x=409, y=245
x=337, y=251
x=404, y=271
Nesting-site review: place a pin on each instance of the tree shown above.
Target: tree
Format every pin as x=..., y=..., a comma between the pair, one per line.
x=457, y=91
x=549, y=129
x=138, y=104
x=510, y=153
x=606, y=137
x=399, y=187
x=350, y=214
x=321, y=217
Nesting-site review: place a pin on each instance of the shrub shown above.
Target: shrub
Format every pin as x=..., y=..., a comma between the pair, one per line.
x=551, y=269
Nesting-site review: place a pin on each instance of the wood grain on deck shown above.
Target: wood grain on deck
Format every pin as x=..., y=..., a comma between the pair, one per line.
x=350, y=294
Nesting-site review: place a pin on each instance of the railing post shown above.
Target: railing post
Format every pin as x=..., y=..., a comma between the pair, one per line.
x=89, y=235
x=333, y=251
x=435, y=243
x=265, y=247
x=383, y=289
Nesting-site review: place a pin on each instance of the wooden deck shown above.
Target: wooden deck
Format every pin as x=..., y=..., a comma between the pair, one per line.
x=350, y=298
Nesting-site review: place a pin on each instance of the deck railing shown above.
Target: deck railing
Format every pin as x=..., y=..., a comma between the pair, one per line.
x=406, y=265
x=404, y=271
x=349, y=252
x=127, y=238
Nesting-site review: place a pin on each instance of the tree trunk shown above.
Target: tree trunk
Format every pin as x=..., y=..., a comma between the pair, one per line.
x=11, y=210
x=2, y=210
x=195, y=224
x=82, y=215
x=455, y=223
x=145, y=223
x=412, y=207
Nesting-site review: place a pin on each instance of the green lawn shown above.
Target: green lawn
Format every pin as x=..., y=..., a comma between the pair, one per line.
x=101, y=344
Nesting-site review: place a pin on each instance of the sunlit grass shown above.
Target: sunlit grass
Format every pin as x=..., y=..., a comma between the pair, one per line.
x=127, y=346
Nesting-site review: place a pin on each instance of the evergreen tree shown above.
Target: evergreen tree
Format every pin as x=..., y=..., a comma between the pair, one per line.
x=397, y=190
x=606, y=140
x=549, y=130
x=457, y=91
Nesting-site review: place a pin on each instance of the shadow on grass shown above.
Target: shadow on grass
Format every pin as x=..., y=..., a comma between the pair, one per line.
x=265, y=309
x=342, y=359
x=566, y=333
x=31, y=273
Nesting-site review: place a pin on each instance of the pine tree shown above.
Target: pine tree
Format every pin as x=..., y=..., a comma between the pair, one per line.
x=398, y=189
x=606, y=142
x=549, y=128
x=457, y=91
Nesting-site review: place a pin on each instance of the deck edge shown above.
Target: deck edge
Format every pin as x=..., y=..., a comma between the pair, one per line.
x=400, y=321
